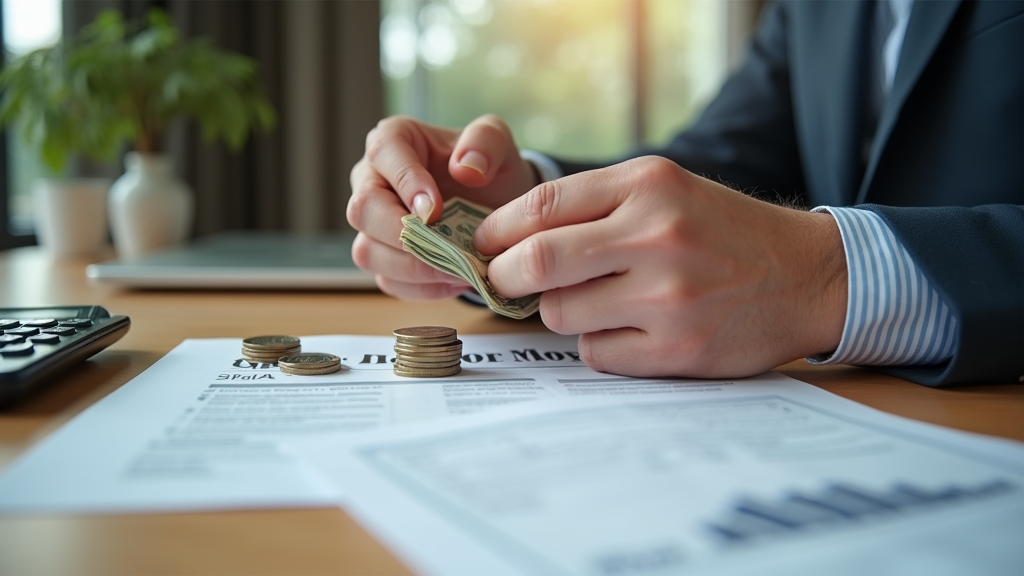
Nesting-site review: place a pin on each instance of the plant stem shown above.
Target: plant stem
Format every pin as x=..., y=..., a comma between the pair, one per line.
x=148, y=142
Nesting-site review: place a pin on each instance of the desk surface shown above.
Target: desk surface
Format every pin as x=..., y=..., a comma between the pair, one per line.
x=316, y=541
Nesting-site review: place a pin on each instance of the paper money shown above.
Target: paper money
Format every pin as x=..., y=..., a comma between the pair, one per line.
x=448, y=246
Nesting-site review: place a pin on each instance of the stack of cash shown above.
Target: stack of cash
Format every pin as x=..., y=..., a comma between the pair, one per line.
x=427, y=352
x=268, y=349
x=309, y=364
x=448, y=246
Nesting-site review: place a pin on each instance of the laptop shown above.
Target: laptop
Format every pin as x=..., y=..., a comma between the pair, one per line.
x=254, y=260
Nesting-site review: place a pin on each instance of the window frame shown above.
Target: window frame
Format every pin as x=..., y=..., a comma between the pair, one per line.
x=7, y=239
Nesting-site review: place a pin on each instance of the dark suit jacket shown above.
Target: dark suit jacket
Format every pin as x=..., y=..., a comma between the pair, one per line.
x=945, y=170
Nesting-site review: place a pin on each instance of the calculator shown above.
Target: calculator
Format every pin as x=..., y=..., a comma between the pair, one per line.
x=39, y=343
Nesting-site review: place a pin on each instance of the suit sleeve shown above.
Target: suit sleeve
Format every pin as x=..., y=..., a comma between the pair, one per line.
x=974, y=257
x=745, y=137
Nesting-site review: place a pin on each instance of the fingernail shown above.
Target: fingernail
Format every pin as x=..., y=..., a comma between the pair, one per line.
x=423, y=206
x=475, y=161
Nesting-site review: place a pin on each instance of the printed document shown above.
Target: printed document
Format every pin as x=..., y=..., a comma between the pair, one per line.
x=203, y=428
x=774, y=478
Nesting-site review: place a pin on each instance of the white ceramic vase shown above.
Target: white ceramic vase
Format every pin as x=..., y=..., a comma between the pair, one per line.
x=150, y=208
x=71, y=215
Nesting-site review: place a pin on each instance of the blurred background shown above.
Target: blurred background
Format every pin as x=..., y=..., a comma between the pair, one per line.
x=575, y=78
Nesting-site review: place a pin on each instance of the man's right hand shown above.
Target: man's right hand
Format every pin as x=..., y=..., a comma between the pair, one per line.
x=412, y=167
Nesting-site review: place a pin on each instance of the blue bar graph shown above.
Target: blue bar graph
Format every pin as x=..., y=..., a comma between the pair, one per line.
x=835, y=505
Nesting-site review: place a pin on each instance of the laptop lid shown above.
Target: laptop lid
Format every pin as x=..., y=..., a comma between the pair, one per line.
x=256, y=260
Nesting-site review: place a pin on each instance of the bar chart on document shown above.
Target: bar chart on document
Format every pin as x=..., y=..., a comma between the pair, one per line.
x=704, y=487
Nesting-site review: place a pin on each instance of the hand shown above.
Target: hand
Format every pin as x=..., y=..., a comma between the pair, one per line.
x=664, y=273
x=410, y=166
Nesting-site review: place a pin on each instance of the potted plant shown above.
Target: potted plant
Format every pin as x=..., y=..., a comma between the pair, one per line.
x=119, y=83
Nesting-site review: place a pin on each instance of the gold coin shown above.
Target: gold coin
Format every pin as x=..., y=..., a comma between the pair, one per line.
x=429, y=350
x=270, y=354
x=452, y=347
x=450, y=358
x=402, y=368
x=268, y=350
x=310, y=371
x=270, y=359
x=425, y=341
x=271, y=342
x=426, y=333
x=425, y=373
x=264, y=359
x=427, y=363
x=429, y=357
x=295, y=350
x=309, y=360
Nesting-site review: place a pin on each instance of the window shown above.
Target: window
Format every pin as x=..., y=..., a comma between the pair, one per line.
x=583, y=78
x=27, y=25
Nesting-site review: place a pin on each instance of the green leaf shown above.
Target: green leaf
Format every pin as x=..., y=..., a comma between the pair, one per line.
x=118, y=81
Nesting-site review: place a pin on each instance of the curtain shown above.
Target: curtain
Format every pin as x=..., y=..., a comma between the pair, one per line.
x=319, y=64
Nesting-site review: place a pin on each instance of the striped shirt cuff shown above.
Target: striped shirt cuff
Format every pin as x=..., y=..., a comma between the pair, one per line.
x=547, y=168
x=893, y=315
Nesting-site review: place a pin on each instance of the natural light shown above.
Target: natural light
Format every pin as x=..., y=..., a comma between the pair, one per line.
x=29, y=24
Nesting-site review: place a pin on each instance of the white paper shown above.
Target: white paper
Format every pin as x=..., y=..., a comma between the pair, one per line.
x=772, y=478
x=201, y=429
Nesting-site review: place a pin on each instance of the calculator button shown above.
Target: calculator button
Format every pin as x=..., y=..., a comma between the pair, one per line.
x=44, y=339
x=75, y=322
x=60, y=330
x=40, y=322
x=11, y=339
x=23, y=349
x=6, y=324
x=23, y=331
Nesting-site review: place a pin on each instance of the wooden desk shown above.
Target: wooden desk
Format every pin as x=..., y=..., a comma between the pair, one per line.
x=322, y=541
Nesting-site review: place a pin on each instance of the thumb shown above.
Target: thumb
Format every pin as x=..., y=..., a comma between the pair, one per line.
x=483, y=149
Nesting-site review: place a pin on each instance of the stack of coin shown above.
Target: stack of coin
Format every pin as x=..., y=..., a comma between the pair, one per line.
x=427, y=352
x=309, y=364
x=269, y=348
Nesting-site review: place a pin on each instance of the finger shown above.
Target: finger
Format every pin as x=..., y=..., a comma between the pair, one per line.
x=417, y=291
x=560, y=257
x=399, y=150
x=638, y=353
x=600, y=304
x=383, y=260
x=574, y=199
x=373, y=208
x=623, y=351
x=484, y=147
